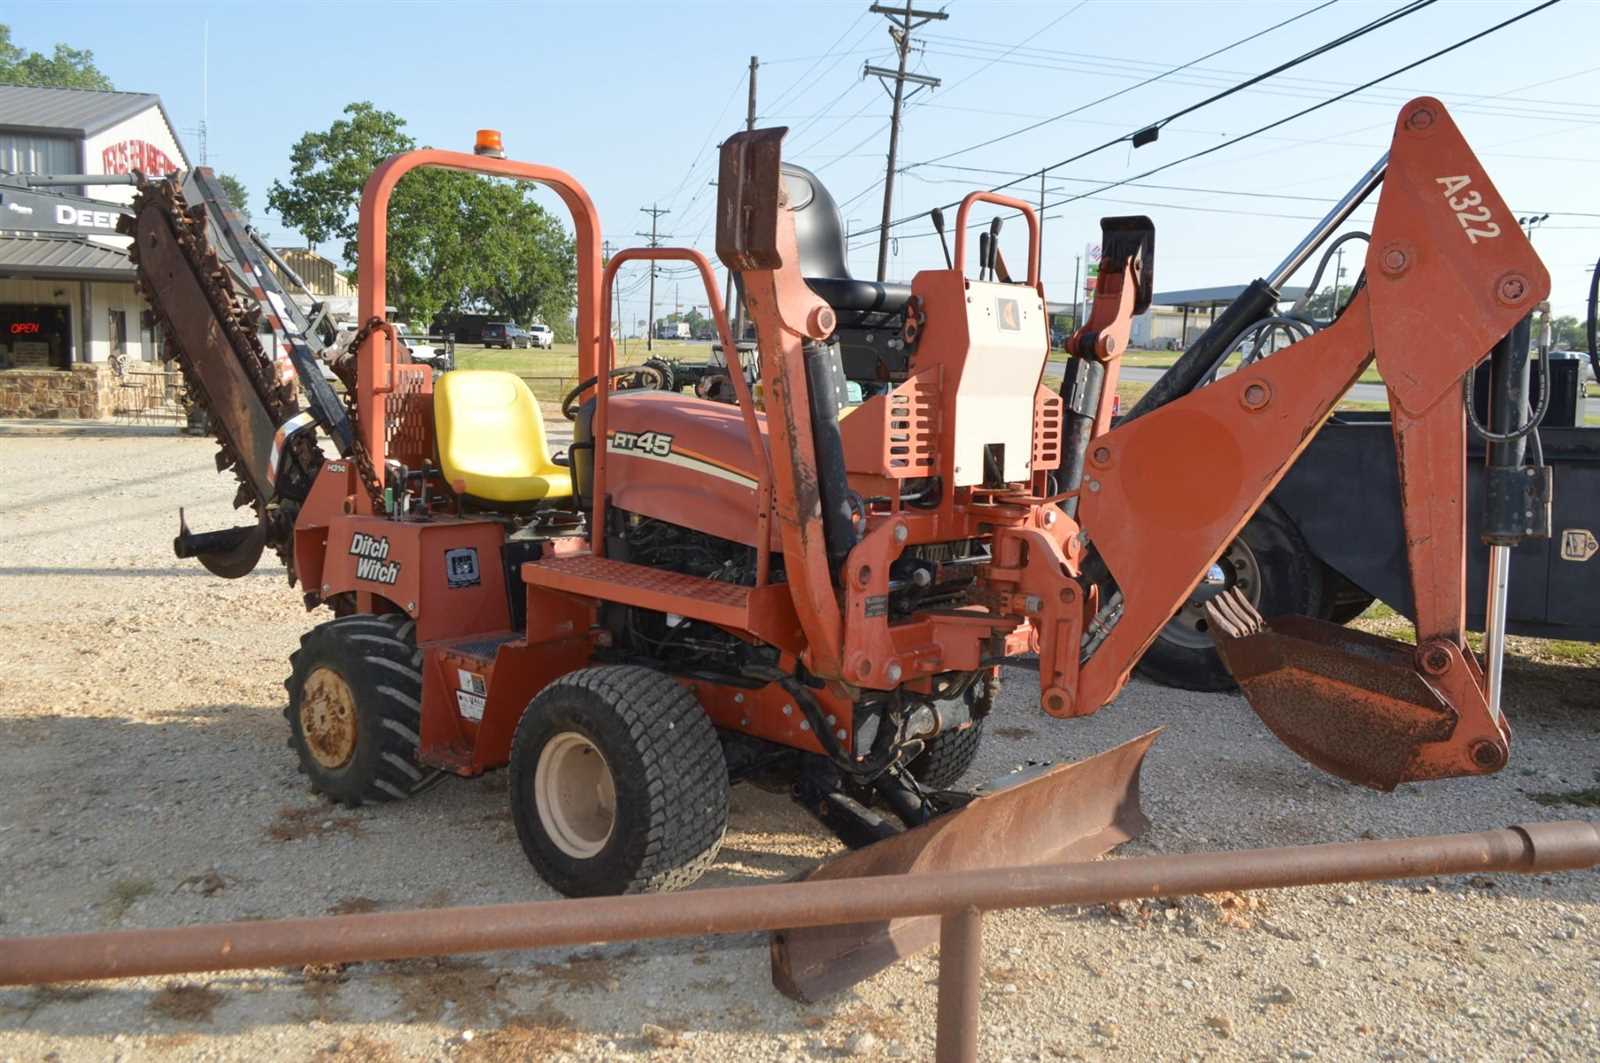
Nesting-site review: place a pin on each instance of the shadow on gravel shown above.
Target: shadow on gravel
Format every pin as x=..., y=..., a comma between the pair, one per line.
x=86, y=429
x=193, y=569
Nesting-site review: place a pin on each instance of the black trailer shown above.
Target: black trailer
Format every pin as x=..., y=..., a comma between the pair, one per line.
x=1304, y=554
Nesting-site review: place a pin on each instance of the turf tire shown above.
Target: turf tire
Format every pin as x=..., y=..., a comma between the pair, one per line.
x=667, y=767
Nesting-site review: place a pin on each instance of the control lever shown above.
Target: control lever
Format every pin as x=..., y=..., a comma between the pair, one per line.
x=994, y=244
x=983, y=254
x=938, y=226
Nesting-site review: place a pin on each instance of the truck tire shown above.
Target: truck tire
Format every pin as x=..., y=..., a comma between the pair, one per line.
x=1271, y=564
x=355, y=709
x=618, y=783
x=947, y=757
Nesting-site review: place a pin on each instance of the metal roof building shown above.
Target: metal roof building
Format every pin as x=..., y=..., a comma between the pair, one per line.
x=66, y=285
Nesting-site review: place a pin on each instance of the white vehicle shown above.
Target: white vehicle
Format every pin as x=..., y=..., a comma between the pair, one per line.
x=541, y=335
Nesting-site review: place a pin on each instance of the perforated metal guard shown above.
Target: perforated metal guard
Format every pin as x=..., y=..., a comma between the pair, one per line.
x=908, y=448
x=1047, y=407
x=408, y=416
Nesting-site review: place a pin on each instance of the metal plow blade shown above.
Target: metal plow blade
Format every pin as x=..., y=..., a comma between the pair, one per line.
x=1351, y=703
x=1069, y=812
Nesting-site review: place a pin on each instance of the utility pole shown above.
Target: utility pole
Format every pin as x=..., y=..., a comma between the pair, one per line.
x=1041, y=223
x=655, y=212
x=1338, y=278
x=901, y=23
x=616, y=290
x=736, y=312
x=1077, y=261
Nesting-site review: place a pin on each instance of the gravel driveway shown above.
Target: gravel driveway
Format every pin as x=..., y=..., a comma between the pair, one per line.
x=144, y=782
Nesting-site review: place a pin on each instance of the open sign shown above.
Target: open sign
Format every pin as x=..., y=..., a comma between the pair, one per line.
x=24, y=328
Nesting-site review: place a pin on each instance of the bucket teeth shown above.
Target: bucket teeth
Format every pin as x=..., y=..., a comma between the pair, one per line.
x=1232, y=613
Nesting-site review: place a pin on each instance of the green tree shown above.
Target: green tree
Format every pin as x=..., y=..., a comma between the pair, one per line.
x=328, y=169
x=1568, y=333
x=457, y=242
x=65, y=68
x=238, y=195
x=1320, y=306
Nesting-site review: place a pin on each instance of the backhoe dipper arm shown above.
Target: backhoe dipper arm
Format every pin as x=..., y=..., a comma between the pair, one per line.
x=1448, y=274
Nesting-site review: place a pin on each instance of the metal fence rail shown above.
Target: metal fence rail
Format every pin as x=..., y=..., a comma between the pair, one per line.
x=959, y=898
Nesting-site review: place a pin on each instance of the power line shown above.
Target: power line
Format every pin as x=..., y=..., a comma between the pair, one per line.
x=1020, y=44
x=1308, y=88
x=1138, y=85
x=1221, y=191
x=1463, y=42
x=832, y=51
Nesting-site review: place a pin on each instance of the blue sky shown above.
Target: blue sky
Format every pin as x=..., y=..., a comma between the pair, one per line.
x=632, y=97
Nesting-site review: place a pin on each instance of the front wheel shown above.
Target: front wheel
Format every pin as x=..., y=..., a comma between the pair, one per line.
x=618, y=783
x=1271, y=565
x=355, y=696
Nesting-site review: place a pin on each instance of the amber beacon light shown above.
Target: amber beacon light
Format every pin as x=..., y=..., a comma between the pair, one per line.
x=489, y=143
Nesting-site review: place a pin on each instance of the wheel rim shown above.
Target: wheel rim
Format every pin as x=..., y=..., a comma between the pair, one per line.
x=575, y=795
x=328, y=718
x=1239, y=571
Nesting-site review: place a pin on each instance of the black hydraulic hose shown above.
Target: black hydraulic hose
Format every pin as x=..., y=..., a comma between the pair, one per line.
x=1594, y=342
x=1258, y=301
x=1316, y=278
x=1510, y=391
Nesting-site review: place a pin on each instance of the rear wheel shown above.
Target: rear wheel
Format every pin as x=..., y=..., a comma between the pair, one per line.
x=1271, y=565
x=947, y=757
x=618, y=783
x=355, y=709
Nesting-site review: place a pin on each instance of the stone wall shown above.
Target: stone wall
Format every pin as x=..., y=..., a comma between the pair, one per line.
x=88, y=391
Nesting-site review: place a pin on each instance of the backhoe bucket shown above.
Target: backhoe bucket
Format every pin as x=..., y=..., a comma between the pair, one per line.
x=1066, y=812
x=1351, y=703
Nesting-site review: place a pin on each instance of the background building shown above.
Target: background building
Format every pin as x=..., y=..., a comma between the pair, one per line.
x=66, y=286
x=69, y=310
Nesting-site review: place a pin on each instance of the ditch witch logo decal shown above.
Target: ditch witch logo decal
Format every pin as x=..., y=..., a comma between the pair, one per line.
x=372, y=563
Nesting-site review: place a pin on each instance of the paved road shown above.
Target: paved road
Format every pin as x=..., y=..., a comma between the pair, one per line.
x=1143, y=375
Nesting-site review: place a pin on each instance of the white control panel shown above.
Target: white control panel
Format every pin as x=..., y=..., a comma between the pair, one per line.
x=994, y=404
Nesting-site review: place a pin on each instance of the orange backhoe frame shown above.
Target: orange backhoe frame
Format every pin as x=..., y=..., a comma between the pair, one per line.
x=1161, y=497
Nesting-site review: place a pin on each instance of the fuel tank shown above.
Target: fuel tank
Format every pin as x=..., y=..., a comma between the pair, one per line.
x=676, y=458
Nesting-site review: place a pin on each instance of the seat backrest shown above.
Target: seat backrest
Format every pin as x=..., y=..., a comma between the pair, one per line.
x=488, y=423
x=818, y=226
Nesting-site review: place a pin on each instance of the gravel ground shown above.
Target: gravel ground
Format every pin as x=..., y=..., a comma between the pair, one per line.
x=144, y=782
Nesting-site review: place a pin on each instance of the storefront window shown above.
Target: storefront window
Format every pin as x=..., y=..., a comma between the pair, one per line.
x=35, y=336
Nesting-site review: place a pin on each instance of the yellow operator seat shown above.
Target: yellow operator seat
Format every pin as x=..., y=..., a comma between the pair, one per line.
x=491, y=439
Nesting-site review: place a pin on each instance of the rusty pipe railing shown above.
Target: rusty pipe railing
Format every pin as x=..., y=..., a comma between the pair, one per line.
x=959, y=897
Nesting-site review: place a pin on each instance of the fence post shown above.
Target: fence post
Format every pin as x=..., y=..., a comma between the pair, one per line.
x=960, y=966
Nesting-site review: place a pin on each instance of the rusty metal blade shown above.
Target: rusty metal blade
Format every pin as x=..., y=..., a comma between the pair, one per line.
x=1067, y=812
x=1351, y=703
